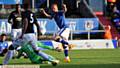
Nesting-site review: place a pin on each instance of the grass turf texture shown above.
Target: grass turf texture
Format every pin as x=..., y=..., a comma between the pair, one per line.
x=96, y=58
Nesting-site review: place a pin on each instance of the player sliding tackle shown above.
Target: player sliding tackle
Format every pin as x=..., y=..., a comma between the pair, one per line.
x=28, y=35
x=31, y=53
x=34, y=58
x=63, y=34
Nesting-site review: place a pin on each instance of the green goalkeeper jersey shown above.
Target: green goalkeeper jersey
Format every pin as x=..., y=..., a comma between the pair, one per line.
x=34, y=58
x=44, y=46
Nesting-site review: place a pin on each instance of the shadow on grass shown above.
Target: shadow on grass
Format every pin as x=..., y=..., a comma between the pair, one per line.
x=83, y=66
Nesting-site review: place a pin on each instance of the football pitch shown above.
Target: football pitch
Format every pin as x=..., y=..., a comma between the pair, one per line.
x=94, y=58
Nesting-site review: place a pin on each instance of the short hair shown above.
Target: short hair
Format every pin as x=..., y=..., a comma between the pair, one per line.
x=54, y=4
x=26, y=6
x=17, y=4
x=3, y=34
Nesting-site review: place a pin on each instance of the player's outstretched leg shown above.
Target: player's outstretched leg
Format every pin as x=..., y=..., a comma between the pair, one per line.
x=59, y=39
x=66, y=47
x=48, y=58
x=9, y=55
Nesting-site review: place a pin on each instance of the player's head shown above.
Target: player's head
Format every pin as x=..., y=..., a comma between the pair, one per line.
x=26, y=6
x=18, y=7
x=3, y=37
x=108, y=27
x=54, y=7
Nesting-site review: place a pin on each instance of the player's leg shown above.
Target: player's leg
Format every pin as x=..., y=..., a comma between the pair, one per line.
x=48, y=58
x=11, y=49
x=1, y=50
x=33, y=55
x=66, y=48
x=15, y=33
x=9, y=55
x=62, y=37
x=33, y=42
x=19, y=32
x=44, y=55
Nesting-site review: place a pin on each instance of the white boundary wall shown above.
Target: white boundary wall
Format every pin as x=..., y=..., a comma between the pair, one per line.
x=85, y=44
x=92, y=44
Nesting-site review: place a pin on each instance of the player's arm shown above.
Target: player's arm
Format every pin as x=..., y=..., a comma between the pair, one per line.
x=64, y=8
x=10, y=18
x=25, y=24
x=46, y=14
x=38, y=28
x=44, y=46
x=48, y=47
x=36, y=23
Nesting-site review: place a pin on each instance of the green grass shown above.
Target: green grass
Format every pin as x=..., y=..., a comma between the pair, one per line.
x=101, y=58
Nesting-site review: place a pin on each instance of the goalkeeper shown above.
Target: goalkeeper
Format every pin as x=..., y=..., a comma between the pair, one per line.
x=34, y=58
x=31, y=53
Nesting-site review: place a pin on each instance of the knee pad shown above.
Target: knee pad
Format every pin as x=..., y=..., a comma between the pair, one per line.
x=11, y=47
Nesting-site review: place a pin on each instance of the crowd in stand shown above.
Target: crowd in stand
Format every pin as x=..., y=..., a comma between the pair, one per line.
x=113, y=11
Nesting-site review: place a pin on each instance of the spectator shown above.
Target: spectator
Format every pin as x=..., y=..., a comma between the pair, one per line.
x=118, y=4
x=110, y=6
x=107, y=34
